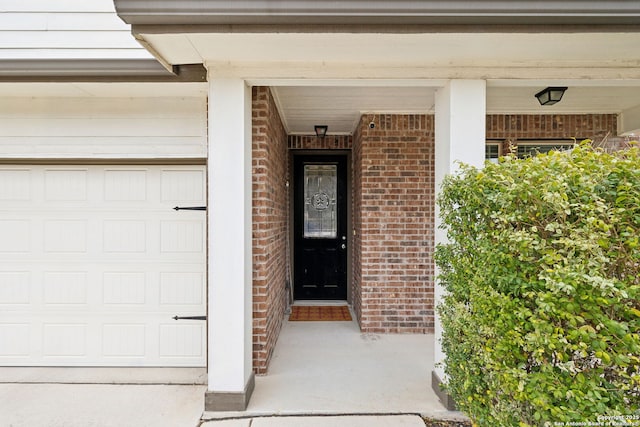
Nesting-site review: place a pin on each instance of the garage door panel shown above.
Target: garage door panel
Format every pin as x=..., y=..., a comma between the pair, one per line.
x=15, y=287
x=186, y=185
x=182, y=236
x=182, y=288
x=65, y=287
x=124, y=340
x=125, y=185
x=103, y=286
x=65, y=236
x=124, y=287
x=15, y=185
x=16, y=236
x=118, y=340
x=181, y=340
x=14, y=340
x=65, y=185
x=97, y=263
x=64, y=339
x=124, y=236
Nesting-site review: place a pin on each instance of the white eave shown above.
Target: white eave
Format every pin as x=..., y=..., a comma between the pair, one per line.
x=86, y=70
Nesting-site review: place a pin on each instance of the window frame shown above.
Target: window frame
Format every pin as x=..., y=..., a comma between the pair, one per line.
x=563, y=143
x=492, y=143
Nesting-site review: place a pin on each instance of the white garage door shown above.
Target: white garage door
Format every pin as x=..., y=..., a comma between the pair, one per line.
x=94, y=263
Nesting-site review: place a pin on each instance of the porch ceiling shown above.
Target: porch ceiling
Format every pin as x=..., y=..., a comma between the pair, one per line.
x=333, y=77
x=340, y=107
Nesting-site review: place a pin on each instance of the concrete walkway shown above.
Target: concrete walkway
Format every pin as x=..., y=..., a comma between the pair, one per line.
x=327, y=421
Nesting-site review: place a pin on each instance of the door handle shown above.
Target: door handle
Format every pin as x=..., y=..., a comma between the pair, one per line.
x=343, y=246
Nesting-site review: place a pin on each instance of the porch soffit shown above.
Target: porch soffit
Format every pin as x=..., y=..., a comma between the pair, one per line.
x=368, y=51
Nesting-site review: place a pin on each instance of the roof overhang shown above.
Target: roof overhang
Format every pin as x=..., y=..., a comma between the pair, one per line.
x=113, y=70
x=373, y=12
x=385, y=50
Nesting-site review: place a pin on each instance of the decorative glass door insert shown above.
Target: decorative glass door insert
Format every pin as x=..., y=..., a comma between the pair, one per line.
x=320, y=207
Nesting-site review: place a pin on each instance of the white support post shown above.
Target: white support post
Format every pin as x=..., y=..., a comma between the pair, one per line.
x=460, y=133
x=629, y=122
x=229, y=313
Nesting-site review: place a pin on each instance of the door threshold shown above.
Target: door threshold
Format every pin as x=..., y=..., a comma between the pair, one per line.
x=320, y=302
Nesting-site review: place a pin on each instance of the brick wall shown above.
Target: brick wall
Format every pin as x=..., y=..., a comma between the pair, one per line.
x=394, y=223
x=600, y=128
x=392, y=205
x=270, y=234
x=312, y=142
x=356, y=223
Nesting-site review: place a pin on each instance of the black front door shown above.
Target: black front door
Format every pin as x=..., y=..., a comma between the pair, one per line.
x=320, y=227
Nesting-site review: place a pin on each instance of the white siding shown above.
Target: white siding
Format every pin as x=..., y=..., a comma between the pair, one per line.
x=70, y=29
x=103, y=128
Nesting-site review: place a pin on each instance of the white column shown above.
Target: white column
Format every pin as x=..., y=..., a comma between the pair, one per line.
x=629, y=122
x=460, y=132
x=229, y=238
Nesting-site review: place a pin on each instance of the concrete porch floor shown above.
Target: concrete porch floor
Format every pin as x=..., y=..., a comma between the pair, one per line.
x=333, y=368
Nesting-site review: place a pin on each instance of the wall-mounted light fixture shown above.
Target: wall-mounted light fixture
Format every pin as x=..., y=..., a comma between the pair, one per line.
x=550, y=95
x=321, y=130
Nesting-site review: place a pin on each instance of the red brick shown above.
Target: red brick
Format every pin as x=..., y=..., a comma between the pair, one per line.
x=393, y=206
x=270, y=234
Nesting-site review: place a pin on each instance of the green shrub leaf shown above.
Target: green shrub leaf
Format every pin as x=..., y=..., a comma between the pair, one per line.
x=541, y=316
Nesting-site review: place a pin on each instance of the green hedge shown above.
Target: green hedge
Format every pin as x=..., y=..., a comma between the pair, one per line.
x=541, y=317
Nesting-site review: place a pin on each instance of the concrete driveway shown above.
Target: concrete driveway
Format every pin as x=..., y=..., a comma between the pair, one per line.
x=100, y=405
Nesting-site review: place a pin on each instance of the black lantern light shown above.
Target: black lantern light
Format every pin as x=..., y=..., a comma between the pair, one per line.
x=550, y=95
x=321, y=130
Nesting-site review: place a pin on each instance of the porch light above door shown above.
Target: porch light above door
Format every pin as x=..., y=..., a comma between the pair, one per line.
x=321, y=130
x=550, y=95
